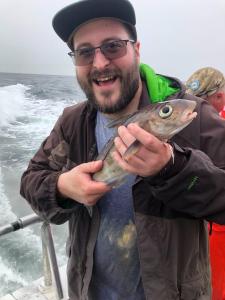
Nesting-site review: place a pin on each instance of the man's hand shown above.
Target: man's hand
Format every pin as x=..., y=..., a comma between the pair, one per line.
x=152, y=156
x=78, y=185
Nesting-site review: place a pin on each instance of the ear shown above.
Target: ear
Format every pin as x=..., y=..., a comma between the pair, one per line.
x=137, y=50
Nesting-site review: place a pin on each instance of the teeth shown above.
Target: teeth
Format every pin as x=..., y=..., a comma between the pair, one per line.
x=105, y=79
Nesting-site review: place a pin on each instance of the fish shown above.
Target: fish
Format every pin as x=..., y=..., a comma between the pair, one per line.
x=163, y=120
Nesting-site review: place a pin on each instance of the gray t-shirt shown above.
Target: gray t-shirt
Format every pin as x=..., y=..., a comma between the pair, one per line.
x=116, y=272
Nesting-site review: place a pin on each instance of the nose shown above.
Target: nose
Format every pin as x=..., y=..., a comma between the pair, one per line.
x=100, y=61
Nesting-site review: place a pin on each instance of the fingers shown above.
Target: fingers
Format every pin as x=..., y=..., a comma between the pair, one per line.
x=146, y=160
x=92, y=187
x=123, y=141
x=144, y=137
x=122, y=149
x=91, y=167
x=133, y=132
x=78, y=185
x=133, y=165
x=120, y=145
x=127, y=137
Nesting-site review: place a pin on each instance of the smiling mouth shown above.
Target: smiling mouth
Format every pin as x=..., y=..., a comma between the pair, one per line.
x=105, y=80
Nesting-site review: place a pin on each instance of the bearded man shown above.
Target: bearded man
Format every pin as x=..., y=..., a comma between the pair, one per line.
x=146, y=239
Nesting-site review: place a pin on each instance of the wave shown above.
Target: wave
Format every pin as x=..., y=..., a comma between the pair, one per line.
x=26, y=118
x=9, y=279
x=6, y=214
x=18, y=251
x=12, y=98
x=24, y=113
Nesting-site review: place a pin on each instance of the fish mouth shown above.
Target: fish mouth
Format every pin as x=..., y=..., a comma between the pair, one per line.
x=189, y=116
x=186, y=119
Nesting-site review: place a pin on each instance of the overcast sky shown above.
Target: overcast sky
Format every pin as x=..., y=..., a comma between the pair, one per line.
x=177, y=36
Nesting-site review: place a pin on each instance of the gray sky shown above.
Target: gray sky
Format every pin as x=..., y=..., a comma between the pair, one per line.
x=177, y=36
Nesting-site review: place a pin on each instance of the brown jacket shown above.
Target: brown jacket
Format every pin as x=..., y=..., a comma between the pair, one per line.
x=170, y=209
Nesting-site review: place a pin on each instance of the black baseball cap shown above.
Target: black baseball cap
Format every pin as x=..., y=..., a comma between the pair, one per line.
x=71, y=17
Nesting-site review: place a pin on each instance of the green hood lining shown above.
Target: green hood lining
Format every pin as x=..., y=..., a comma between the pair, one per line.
x=159, y=87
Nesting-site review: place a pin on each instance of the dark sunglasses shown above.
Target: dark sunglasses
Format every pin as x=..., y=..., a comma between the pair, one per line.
x=111, y=50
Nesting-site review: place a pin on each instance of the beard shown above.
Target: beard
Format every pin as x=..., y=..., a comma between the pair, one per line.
x=129, y=86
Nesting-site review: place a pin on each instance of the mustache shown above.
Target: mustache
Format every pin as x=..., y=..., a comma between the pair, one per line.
x=95, y=74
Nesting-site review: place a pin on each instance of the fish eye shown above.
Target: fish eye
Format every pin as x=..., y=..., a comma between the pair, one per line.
x=165, y=111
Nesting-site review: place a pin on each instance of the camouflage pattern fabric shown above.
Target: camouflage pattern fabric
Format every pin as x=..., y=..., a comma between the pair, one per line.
x=205, y=81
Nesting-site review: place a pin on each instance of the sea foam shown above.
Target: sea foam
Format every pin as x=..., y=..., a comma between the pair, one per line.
x=12, y=98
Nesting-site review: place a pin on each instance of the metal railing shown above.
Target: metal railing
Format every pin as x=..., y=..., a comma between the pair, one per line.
x=50, y=264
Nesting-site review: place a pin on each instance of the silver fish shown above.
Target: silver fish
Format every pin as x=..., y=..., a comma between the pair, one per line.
x=163, y=120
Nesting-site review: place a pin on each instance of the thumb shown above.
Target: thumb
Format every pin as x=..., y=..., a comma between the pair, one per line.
x=91, y=167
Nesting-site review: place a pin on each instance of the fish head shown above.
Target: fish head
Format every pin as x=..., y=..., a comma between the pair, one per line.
x=168, y=118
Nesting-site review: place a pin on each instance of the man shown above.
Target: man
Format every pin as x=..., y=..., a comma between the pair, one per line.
x=146, y=239
x=209, y=84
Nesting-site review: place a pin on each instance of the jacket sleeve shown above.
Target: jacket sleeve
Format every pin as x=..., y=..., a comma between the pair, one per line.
x=39, y=181
x=195, y=185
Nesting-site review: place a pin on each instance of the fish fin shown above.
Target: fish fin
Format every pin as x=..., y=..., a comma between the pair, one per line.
x=121, y=121
x=136, y=116
x=131, y=150
x=117, y=122
x=102, y=155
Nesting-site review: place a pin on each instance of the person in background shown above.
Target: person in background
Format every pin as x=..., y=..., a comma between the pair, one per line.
x=146, y=239
x=209, y=84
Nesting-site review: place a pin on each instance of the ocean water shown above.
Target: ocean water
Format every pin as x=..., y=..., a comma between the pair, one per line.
x=29, y=107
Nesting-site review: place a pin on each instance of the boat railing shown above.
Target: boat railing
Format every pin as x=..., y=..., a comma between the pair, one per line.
x=50, y=265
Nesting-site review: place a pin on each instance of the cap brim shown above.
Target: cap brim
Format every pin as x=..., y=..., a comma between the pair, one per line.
x=67, y=20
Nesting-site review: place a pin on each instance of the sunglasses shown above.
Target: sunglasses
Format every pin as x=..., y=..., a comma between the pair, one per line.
x=111, y=50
